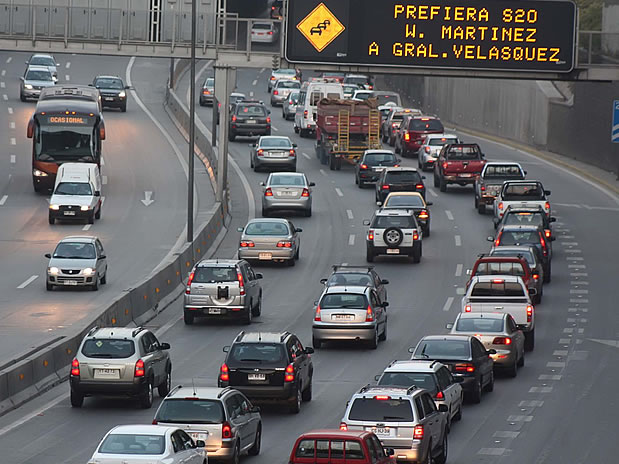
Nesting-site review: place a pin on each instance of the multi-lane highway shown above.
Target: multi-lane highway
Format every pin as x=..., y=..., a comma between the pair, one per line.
x=138, y=229
x=559, y=409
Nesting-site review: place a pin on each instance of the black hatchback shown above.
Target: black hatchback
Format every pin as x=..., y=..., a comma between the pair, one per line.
x=399, y=179
x=248, y=118
x=269, y=367
x=113, y=91
x=372, y=163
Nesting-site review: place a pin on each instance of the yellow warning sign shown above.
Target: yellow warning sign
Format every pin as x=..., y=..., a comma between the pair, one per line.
x=320, y=27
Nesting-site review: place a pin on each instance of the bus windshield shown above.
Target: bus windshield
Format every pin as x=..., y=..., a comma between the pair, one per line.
x=64, y=143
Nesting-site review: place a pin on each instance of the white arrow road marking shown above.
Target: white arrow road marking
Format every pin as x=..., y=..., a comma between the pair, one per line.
x=614, y=343
x=148, y=198
x=3, y=200
x=28, y=281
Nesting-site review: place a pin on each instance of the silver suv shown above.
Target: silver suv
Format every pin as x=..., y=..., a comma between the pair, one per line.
x=120, y=361
x=405, y=419
x=223, y=418
x=223, y=288
x=393, y=232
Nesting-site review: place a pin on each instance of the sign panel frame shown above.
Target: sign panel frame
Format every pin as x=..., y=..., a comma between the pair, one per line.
x=614, y=128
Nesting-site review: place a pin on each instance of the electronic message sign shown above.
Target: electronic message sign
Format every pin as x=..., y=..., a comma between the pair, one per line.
x=517, y=35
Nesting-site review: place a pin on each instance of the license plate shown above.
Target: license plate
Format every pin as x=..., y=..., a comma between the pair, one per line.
x=342, y=317
x=256, y=377
x=393, y=251
x=378, y=169
x=107, y=373
x=69, y=213
x=466, y=174
x=288, y=193
x=214, y=311
x=199, y=436
x=70, y=282
x=251, y=121
x=275, y=154
x=109, y=99
x=265, y=256
x=381, y=431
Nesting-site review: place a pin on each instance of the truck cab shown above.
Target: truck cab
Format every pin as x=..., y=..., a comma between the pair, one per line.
x=458, y=163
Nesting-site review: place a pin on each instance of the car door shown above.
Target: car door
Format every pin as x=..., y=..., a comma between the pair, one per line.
x=181, y=454
x=379, y=311
x=249, y=424
x=155, y=356
x=236, y=419
x=101, y=259
x=515, y=334
x=381, y=289
x=433, y=418
x=251, y=282
x=452, y=397
x=192, y=454
x=482, y=361
x=295, y=235
x=304, y=361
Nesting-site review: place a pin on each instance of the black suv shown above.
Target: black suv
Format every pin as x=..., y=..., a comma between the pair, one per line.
x=248, y=118
x=399, y=180
x=357, y=275
x=269, y=367
x=372, y=163
x=113, y=91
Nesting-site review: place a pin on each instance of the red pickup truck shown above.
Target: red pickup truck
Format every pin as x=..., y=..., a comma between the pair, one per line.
x=458, y=163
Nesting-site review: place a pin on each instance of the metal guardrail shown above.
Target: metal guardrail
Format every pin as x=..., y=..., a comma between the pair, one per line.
x=598, y=48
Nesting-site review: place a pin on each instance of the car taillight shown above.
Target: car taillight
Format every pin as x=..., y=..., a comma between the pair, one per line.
x=260, y=152
x=407, y=136
x=317, y=316
x=305, y=193
x=239, y=277
x=247, y=244
x=370, y=234
x=226, y=430
x=369, y=315
x=270, y=32
x=268, y=119
x=500, y=206
x=467, y=308
x=543, y=242
x=423, y=214
x=75, y=367
x=529, y=313
x=234, y=118
x=502, y=341
x=418, y=432
x=305, y=114
x=427, y=149
x=292, y=153
x=415, y=235
x=188, y=289
x=205, y=92
x=498, y=281
x=465, y=367
x=343, y=426
x=535, y=276
x=385, y=187
x=547, y=206
x=498, y=239
x=284, y=244
x=268, y=192
x=382, y=397
x=547, y=233
x=155, y=422
x=289, y=373
x=272, y=78
x=440, y=396
x=444, y=164
x=363, y=166
x=224, y=373
x=419, y=186
x=483, y=188
x=139, y=368
x=275, y=92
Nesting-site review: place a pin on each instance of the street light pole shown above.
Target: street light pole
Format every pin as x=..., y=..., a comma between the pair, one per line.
x=192, y=125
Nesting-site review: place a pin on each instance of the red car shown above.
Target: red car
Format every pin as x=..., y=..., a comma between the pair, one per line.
x=339, y=447
x=413, y=131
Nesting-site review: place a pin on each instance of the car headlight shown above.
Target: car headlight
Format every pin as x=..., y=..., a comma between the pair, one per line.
x=54, y=207
x=28, y=86
x=122, y=94
x=88, y=271
x=53, y=270
x=39, y=173
x=84, y=208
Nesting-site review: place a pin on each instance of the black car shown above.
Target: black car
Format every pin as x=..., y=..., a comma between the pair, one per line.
x=415, y=203
x=399, y=180
x=277, y=9
x=269, y=367
x=525, y=216
x=113, y=91
x=248, y=118
x=372, y=163
x=357, y=275
x=467, y=358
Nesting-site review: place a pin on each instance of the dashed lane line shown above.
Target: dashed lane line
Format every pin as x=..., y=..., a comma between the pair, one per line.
x=3, y=73
x=3, y=200
x=27, y=282
x=67, y=77
x=254, y=82
x=251, y=93
x=459, y=270
x=2, y=85
x=9, y=59
x=5, y=97
x=13, y=141
x=10, y=110
x=492, y=451
x=351, y=239
x=87, y=227
x=349, y=214
x=449, y=215
x=67, y=65
x=458, y=240
x=275, y=128
x=338, y=191
x=505, y=434
x=323, y=172
x=433, y=193
x=306, y=155
x=12, y=124
x=448, y=303
x=104, y=180
x=13, y=159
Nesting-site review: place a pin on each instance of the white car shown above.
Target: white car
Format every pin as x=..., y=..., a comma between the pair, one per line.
x=362, y=94
x=152, y=444
x=264, y=32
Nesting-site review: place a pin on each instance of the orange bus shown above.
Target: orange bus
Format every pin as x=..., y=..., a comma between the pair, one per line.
x=67, y=125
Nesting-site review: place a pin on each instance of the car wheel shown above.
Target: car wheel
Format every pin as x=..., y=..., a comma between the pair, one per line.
x=104, y=278
x=258, y=308
x=95, y=285
x=537, y=299
x=236, y=456
x=383, y=336
x=369, y=255
x=308, y=213
x=49, y=287
x=251, y=161
x=307, y=393
x=166, y=385
x=51, y=220
x=529, y=340
x=296, y=254
x=374, y=342
x=295, y=404
x=521, y=360
x=303, y=133
x=255, y=449
x=91, y=218
x=490, y=386
x=77, y=399
x=123, y=108
x=265, y=212
x=361, y=184
x=442, y=458
x=202, y=103
x=442, y=184
x=426, y=231
x=188, y=318
x=98, y=213
x=248, y=315
x=416, y=255
x=397, y=149
x=146, y=397
x=458, y=415
x=316, y=343
x=475, y=395
x=231, y=136
x=296, y=129
x=481, y=208
x=291, y=262
x=21, y=97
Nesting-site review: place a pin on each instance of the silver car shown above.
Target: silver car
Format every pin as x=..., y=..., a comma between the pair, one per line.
x=77, y=262
x=208, y=92
x=44, y=60
x=289, y=106
x=347, y=312
x=287, y=191
x=278, y=74
x=282, y=89
x=431, y=147
x=34, y=79
x=273, y=151
x=270, y=240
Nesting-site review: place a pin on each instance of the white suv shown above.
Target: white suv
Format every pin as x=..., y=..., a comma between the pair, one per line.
x=432, y=376
x=393, y=232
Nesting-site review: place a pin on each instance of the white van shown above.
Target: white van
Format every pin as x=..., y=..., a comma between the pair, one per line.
x=311, y=93
x=77, y=193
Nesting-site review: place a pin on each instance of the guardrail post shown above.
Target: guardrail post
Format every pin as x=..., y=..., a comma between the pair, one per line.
x=120, y=29
x=590, y=46
x=34, y=24
x=66, y=27
x=250, y=24
x=174, y=17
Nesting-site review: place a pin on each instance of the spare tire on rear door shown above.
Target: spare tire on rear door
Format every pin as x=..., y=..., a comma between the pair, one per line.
x=393, y=236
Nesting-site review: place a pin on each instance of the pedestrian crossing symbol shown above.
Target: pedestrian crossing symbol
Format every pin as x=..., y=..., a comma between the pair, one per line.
x=320, y=27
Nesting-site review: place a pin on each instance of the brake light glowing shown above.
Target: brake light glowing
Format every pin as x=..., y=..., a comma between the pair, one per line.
x=407, y=136
x=543, y=242
x=188, y=289
x=292, y=153
x=498, y=281
x=535, y=276
x=226, y=430
x=260, y=152
x=444, y=164
x=234, y=118
x=289, y=373
x=363, y=166
x=247, y=244
x=369, y=315
x=305, y=193
x=427, y=149
x=498, y=239
x=317, y=316
x=439, y=396
x=423, y=214
x=415, y=235
x=382, y=397
x=418, y=432
x=529, y=313
x=500, y=205
x=139, y=368
x=224, y=373
x=547, y=206
x=268, y=192
x=155, y=422
x=75, y=367
x=465, y=367
x=343, y=426
x=275, y=92
x=305, y=113
x=502, y=341
x=419, y=186
x=467, y=308
x=239, y=277
x=385, y=187
x=284, y=244
x=547, y=233
x=483, y=188
x=370, y=234
x=268, y=119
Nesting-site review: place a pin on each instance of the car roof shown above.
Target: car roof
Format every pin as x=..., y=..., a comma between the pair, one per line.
x=394, y=212
x=79, y=238
x=385, y=92
x=534, y=208
x=274, y=137
x=440, y=136
x=277, y=220
x=355, y=289
x=113, y=332
x=514, y=248
x=401, y=169
x=446, y=337
x=261, y=337
x=38, y=67
x=335, y=433
x=217, y=262
x=374, y=389
x=378, y=150
x=404, y=194
x=416, y=365
x=44, y=55
x=146, y=429
x=351, y=268
x=108, y=76
x=206, y=393
x=503, y=163
x=483, y=315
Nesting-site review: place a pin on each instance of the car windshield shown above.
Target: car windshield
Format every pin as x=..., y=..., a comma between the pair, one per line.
x=443, y=349
x=42, y=61
x=251, y=110
x=395, y=177
x=117, y=443
x=363, y=95
x=442, y=141
x=209, y=82
x=381, y=410
x=497, y=268
x=75, y=250
x=288, y=84
x=267, y=353
x=285, y=73
x=526, y=254
x=376, y=159
x=383, y=222
x=405, y=201
x=191, y=411
x=425, y=125
x=524, y=219
x=386, y=98
x=343, y=300
x=211, y=274
x=408, y=379
x=108, y=348
x=287, y=179
x=35, y=75
x=267, y=228
x=516, y=237
x=479, y=324
x=73, y=188
x=502, y=170
x=294, y=97
x=524, y=192
x=349, y=278
x=460, y=152
x=275, y=142
x=109, y=83
x=498, y=287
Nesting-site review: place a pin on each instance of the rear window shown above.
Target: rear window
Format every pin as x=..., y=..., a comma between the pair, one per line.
x=425, y=125
x=405, y=222
x=42, y=61
x=363, y=95
x=373, y=159
x=209, y=82
x=524, y=219
x=402, y=176
x=526, y=254
x=288, y=84
x=404, y=201
x=498, y=288
x=287, y=179
x=107, y=83
x=349, y=278
x=251, y=110
x=442, y=141
x=262, y=26
x=407, y=379
x=514, y=192
x=214, y=274
x=267, y=228
x=483, y=325
x=267, y=353
x=503, y=171
x=500, y=269
x=275, y=142
x=361, y=80
x=191, y=411
x=339, y=449
x=294, y=97
x=459, y=152
x=382, y=99
x=343, y=300
x=443, y=349
x=514, y=237
x=389, y=410
x=108, y=348
x=133, y=444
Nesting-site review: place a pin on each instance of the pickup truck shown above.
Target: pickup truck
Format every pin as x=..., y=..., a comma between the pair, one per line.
x=505, y=294
x=490, y=181
x=517, y=193
x=458, y=163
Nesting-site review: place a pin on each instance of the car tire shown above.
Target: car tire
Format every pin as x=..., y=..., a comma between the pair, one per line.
x=202, y=103
x=251, y=161
x=436, y=181
x=91, y=218
x=146, y=396
x=295, y=404
x=426, y=231
x=316, y=343
x=490, y=385
x=77, y=399
x=123, y=108
x=255, y=449
x=303, y=133
x=512, y=371
x=369, y=255
x=188, y=318
x=382, y=337
x=442, y=458
x=361, y=184
x=481, y=207
x=166, y=385
x=51, y=220
x=442, y=185
x=257, y=310
x=236, y=456
x=374, y=342
x=521, y=360
x=306, y=395
x=104, y=278
x=416, y=255
x=475, y=395
x=49, y=287
x=21, y=97
x=458, y=415
x=95, y=286
x=265, y=212
x=291, y=262
x=296, y=254
x=308, y=213
x=231, y=136
x=247, y=318
x=296, y=129
x=397, y=150
x=529, y=340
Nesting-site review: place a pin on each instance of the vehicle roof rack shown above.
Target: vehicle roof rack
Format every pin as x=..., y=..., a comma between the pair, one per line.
x=224, y=391
x=137, y=331
x=174, y=390
x=364, y=388
x=283, y=336
x=349, y=266
x=92, y=331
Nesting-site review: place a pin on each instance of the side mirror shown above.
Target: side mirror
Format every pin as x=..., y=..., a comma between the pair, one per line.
x=316, y=303
x=398, y=160
x=97, y=193
x=262, y=184
x=377, y=377
x=491, y=351
x=490, y=239
x=547, y=192
x=312, y=184
x=164, y=346
x=48, y=255
x=384, y=304
x=127, y=87
x=389, y=451
x=200, y=444
x=553, y=219
x=411, y=349
x=309, y=350
x=226, y=348
x=323, y=281
x=26, y=61
x=366, y=222
x=525, y=172
x=294, y=145
x=258, y=275
x=443, y=408
x=429, y=203
x=469, y=271
x=239, y=229
x=103, y=257
x=384, y=282
x=298, y=229
x=90, y=85
x=532, y=291
x=449, y=326
x=254, y=409
x=423, y=177
x=378, y=203
x=21, y=78
x=268, y=111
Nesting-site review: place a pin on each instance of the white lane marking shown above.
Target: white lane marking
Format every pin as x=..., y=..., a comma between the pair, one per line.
x=13, y=159
x=349, y=213
x=569, y=243
x=87, y=227
x=549, y=377
x=275, y=128
x=579, y=300
x=251, y=93
x=3, y=73
x=67, y=77
x=460, y=291
x=306, y=155
x=578, y=282
x=449, y=215
x=2, y=85
x=28, y=281
x=12, y=124
x=492, y=451
x=9, y=59
x=579, y=274
x=68, y=65
x=351, y=239
x=448, y=303
x=254, y=82
x=458, y=240
x=603, y=208
x=5, y=97
x=459, y=270
x=13, y=141
x=102, y=161
x=568, y=330
x=323, y=172
x=104, y=180
x=559, y=353
x=575, y=250
x=505, y=434
x=339, y=192
x=540, y=390
x=248, y=191
x=575, y=258
x=531, y=404
x=579, y=292
x=262, y=70
x=3, y=200
x=344, y=264
x=576, y=266
x=565, y=341
x=433, y=193
x=568, y=205
x=147, y=201
x=102, y=200
x=10, y=110
x=517, y=418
